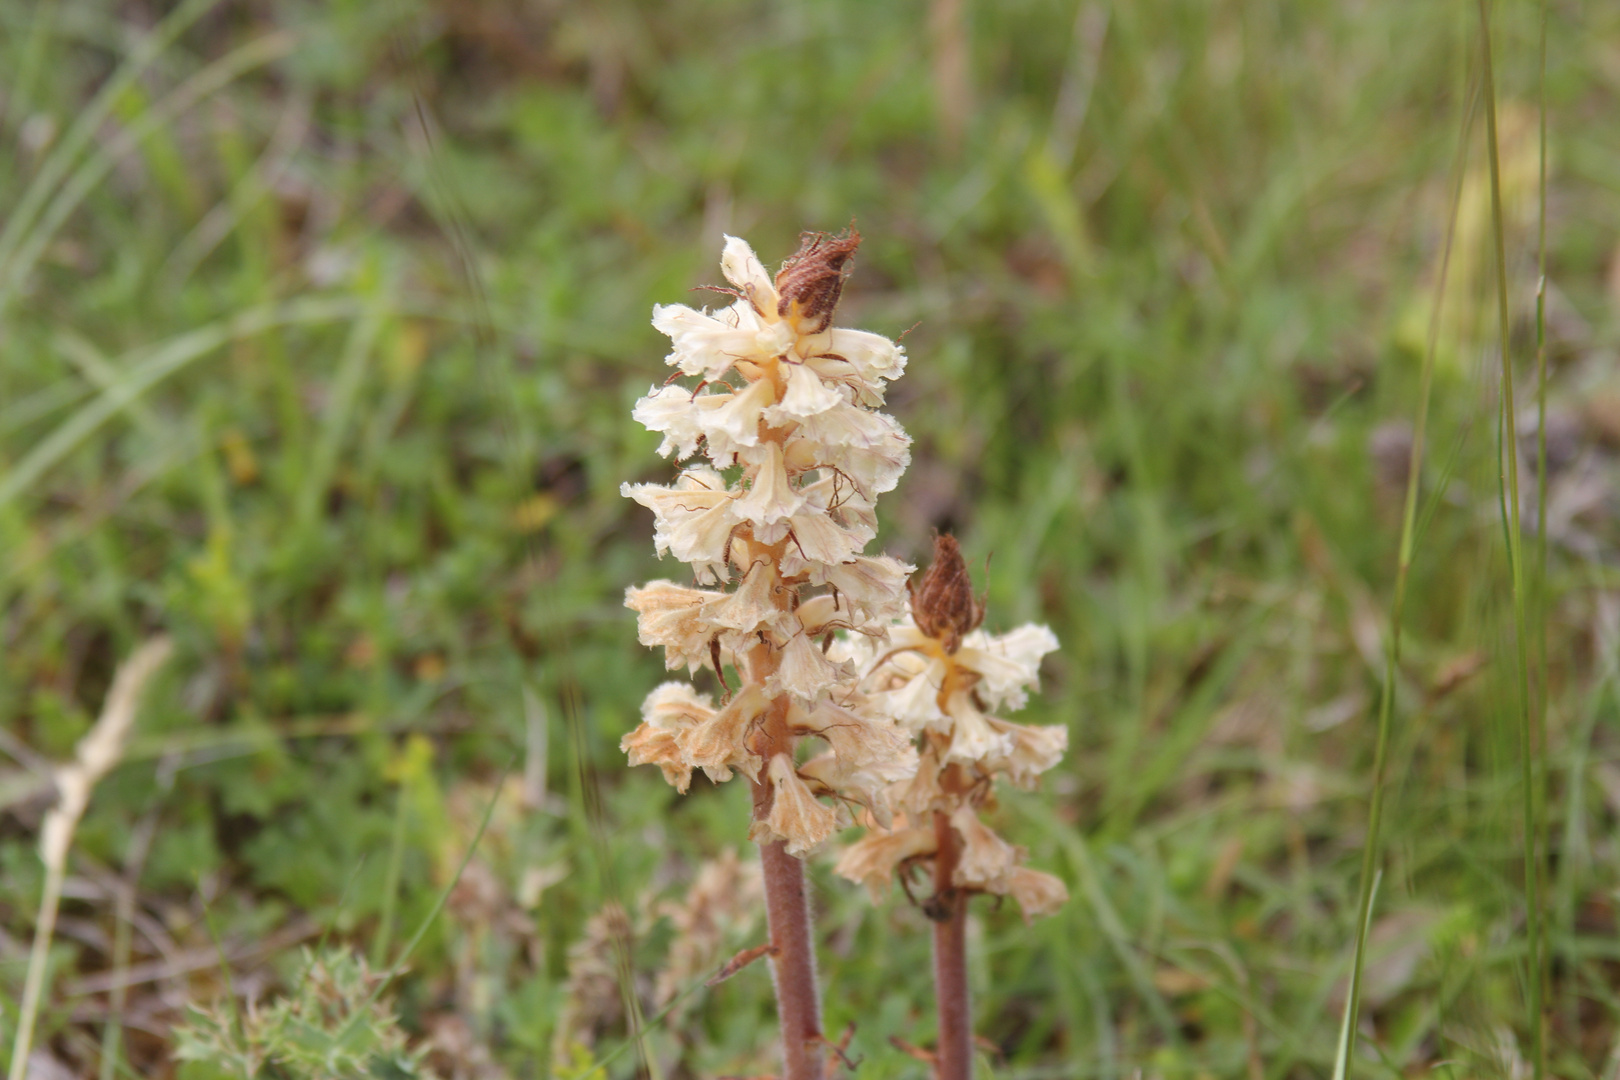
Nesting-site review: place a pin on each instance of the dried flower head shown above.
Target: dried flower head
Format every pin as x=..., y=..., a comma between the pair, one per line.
x=942, y=604
x=812, y=279
x=788, y=401
x=942, y=677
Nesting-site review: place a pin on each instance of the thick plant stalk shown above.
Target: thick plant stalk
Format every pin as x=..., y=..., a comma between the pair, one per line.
x=954, y=1054
x=787, y=908
x=793, y=967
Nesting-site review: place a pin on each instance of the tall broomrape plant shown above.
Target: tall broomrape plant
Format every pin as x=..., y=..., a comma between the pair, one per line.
x=940, y=676
x=776, y=519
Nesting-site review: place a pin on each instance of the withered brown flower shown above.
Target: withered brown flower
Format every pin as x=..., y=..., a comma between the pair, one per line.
x=943, y=605
x=811, y=281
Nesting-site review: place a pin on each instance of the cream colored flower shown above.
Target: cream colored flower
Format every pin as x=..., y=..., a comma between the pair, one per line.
x=795, y=816
x=719, y=743
x=1033, y=750
x=670, y=710
x=784, y=414
x=936, y=674
x=986, y=859
x=670, y=616
x=1037, y=894
x=873, y=860
x=1008, y=665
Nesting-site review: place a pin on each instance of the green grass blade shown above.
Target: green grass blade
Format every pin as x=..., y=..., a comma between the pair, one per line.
x=60, y=160
x=1512, y=527
x=18, y=258
x=1370, y=871
x=151, y=367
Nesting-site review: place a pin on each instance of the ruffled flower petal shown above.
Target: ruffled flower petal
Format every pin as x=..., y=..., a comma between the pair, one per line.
x=670, y=616
x=868, y=447
x=973, y=740
x=873, y=859
x=869, y=746
x=1037, y=894
x=669, y=710
x=805, y=671
x=862, y=361
x=1034, y=750
x=693, y=521
x=704, y=345
x=771, y=498
x=732, y=421
x=875, y=585
x=751, y=606
x=743, y=269
x=719, y=744
x=1009, y=663
x=818, y=540
x=795, y=816
x=986, y=859
x=806, y=396
x=915, y=702
x=670, y=410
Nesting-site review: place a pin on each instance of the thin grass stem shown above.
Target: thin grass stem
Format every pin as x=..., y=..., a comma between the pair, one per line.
x=1370, y=871
x=1509, y=460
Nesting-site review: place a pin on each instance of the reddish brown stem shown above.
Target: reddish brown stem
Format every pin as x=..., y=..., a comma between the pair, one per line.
x=787, y=911
x=953, y=1057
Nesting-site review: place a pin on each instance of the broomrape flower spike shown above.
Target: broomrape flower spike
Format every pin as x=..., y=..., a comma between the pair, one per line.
x=785, y=455
x=941, y=676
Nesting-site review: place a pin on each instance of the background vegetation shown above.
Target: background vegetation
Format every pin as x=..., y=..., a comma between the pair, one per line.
x=319, y=330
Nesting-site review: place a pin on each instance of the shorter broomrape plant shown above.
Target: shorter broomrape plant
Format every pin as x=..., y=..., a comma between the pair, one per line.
x=938, y=674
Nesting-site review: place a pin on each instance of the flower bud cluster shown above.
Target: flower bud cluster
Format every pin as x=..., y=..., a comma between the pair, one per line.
x=773, y=513
x=941, y=677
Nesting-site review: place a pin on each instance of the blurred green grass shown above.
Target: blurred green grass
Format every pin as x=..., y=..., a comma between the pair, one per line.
x=318, y=339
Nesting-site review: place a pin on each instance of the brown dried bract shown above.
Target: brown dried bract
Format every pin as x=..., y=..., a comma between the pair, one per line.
x=740, y=961
x=943, y=604
x=812, y=280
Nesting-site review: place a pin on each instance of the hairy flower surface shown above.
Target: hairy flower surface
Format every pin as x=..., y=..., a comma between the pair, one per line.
x=941, y=677
x=774, y=524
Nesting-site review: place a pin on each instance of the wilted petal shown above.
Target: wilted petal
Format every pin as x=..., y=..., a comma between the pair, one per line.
x=806, y=396
x=805, y=671
x=1034, y=750
x=873, y=859
x=986, y=859
x=1037, y=894
x=973, y=740
x=671, y=617
x=874, y=585
x=733, y=422
x=719, y=744
x=672, y=411
x=675, y=706
x=771, y=498
x=753, y=604
x=874, y=747
x=817, y=540
x=1009, y=663
x=795, y=816
x=648, y=745
x=743, y=269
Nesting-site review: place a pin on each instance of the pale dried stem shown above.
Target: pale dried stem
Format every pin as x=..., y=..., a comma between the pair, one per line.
x=953, y=1057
